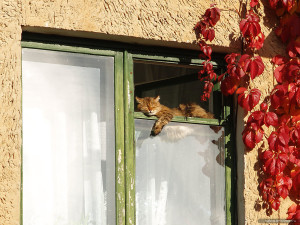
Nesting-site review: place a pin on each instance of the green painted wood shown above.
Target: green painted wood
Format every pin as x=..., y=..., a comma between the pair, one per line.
x=230, y=165
x=65, y=48
x=120, y=149
x=129, y=139
x=167, y=59
x=181, y=119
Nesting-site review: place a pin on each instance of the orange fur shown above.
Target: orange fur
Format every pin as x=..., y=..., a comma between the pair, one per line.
x=151, y=107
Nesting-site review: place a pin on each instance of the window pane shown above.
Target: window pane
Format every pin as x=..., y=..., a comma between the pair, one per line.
x=68, y=138
x=180, y=174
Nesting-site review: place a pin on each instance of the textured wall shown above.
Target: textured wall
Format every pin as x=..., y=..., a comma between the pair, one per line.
x=146, y=21
x=10, y=111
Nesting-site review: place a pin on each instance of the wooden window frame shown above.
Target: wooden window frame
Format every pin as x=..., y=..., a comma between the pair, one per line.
x=124, y=57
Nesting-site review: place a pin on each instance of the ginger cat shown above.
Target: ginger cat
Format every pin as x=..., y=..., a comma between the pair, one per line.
x=151, y=107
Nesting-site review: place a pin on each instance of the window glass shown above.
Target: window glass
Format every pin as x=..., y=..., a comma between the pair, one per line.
x=180, y=174
x=68, y=138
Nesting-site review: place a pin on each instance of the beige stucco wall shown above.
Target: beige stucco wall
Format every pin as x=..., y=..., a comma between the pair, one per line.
x=153, y=22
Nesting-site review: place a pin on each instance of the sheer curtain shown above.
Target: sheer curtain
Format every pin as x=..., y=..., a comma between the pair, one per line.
x=68, y=138
x=180, y=175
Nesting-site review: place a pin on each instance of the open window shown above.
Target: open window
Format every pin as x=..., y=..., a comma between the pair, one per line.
x=174, y=83
x=180, y=174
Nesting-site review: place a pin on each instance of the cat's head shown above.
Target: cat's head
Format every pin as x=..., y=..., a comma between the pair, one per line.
x=148, y=105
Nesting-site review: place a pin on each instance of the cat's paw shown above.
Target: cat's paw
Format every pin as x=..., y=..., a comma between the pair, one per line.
x=155, y=131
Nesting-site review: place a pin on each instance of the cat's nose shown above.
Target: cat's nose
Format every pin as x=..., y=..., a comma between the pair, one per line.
x=150, y=111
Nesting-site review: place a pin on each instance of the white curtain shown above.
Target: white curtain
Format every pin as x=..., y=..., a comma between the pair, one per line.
x=68, y=138
x=180, y=175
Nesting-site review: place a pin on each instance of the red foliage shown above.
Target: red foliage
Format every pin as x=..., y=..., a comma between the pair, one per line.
x=257, y=42
x=287, y=70
x=252, y=65
x=253, y=3
x=256, y=117
x=294, y=214
x=263, y=106
x=205, y=27
x=251, y=29
x=208, y=86
x=212, y=15
x=289, y=27
x=281, y=161
x=252, y=135
x=295, y=175
x=229, y=85
x=248, y=100
x=250, y=25
x=269, y=192
x=283, y=185
x=271, y=119
x=274, y=163
x=293, y=48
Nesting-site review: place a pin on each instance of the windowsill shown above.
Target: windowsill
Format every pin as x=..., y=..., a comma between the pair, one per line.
x=181, y=119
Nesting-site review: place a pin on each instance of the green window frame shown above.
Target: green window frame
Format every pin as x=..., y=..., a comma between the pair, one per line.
x=124, y=57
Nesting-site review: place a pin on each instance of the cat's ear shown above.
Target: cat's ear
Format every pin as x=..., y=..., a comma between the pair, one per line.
x=157, y=98
x=139, y=100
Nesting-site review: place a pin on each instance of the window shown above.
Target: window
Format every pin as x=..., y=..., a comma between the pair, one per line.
x=88, y=157
x=180, y=174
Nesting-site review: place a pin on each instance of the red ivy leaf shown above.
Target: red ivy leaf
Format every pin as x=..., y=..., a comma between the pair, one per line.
x=229, y=85
x=208, y=34
x=206, y=50
x=274, y=163
x=252, y=135
x=235, y=70
x=263, y=106
x=278, y=95
x=275, y=204
x=213, y=15
x=253, y=65
x=295, y=159
x=269, y=166
x=279, y=73
x=271, y=119
x=283, y=185
x=256, y=117
x=241, y=90
x=248, y=102
x=281, y=162
x=285, y=119
x=278, y=141
x=257, y=42
x=278, y=60
x=272, y=140
x=295, y=174
x=283, y=138
x=294, y=213
x=231, y=58
x=253, y=3
x=298, y=97
x=293, y=48
x=250, y=26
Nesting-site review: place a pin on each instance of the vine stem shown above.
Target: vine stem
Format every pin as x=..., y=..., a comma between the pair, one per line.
x=232, y=10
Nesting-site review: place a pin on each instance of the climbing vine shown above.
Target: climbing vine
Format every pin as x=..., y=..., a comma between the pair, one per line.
x=279, y=112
